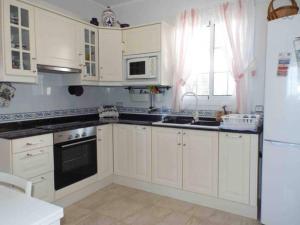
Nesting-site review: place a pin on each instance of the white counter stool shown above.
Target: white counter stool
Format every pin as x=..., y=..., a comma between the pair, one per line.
x=16, y=182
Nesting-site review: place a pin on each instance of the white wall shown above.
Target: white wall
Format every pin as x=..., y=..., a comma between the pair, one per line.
x=83, y=9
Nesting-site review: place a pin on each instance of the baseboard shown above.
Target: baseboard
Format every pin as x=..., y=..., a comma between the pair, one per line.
x=224, y=205
x=84, y=192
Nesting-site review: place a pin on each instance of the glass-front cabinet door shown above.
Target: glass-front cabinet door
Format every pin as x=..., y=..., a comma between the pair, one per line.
x=20, y=54
x=90, y=54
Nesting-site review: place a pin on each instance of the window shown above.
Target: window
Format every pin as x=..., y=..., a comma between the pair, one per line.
x=210, y=73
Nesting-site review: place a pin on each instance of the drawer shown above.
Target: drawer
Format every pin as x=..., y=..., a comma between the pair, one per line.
x=33, y=163
x=25, y=144
x=43, y=187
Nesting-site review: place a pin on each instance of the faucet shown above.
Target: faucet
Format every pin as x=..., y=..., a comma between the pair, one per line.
x=195, y=113
x=152, y=108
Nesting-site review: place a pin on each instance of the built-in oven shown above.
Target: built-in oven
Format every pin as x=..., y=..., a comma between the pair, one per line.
x=75, y=156
x=144, y=66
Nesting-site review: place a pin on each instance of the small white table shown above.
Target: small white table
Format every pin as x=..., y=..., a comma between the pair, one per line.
x=18, y=209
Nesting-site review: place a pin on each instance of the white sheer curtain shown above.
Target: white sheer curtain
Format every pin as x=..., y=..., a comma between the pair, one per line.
x=185, y=52
x=238, y=18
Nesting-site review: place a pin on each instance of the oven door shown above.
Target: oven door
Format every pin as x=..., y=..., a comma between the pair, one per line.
x=74, y=161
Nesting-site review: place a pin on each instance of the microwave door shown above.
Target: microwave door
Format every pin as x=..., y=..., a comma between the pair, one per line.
x=137, y=68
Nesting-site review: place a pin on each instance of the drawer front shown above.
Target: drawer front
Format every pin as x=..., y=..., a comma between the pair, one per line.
x=25, y=144
x=43, y=187
x=33, y=163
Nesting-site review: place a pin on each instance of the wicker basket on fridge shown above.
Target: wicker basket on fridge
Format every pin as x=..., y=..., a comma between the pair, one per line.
x=282, y=11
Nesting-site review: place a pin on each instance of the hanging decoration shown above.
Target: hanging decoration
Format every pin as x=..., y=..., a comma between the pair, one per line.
x=7, y=92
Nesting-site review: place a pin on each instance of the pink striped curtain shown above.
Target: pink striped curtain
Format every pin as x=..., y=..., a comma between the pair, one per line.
x=238, y=18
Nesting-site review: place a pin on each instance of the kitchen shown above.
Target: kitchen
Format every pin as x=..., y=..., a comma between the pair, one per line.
x=113, y=125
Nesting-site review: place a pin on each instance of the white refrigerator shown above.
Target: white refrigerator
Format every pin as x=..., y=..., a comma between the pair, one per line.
x=281, y=149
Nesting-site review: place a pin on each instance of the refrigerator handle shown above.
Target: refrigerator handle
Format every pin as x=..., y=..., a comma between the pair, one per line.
x=283, y=144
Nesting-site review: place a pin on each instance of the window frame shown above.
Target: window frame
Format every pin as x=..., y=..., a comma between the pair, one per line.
x=211, y=99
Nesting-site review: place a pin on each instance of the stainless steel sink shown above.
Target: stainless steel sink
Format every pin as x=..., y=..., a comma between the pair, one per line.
x=188, y=122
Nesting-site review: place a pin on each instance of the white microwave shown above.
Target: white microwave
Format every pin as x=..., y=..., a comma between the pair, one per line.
x=144, y=66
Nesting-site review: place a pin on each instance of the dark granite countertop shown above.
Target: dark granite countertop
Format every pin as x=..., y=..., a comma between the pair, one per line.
x=32, y=128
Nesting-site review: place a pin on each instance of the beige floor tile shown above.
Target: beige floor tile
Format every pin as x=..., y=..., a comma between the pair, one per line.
x=120, y=190
x=97, y=199
x=148, y=216
x=194, y=221
x=74, y=213
x=145, y=197
x=201, y=212
x=175, y=218
x=96, y=219
x=174, y=204
x=120, y=209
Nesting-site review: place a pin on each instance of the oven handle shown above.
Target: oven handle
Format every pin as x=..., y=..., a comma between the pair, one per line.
x=78, y=143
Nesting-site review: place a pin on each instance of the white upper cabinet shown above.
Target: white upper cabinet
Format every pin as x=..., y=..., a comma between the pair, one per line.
x=234, y=167
x=200, y=162
x=89, y=53
x=141, y=40
x=57, y=40
x=19, y=39
x=105, y=150
x=110, y=55
x=167, y=157
x=141, y=153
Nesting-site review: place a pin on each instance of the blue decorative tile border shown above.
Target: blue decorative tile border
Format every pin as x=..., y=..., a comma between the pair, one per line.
x=15, y=117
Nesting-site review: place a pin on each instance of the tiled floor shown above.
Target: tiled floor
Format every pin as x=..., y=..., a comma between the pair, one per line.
x=119, y=205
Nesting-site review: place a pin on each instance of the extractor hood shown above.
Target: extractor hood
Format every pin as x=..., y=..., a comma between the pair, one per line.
x=57, y=69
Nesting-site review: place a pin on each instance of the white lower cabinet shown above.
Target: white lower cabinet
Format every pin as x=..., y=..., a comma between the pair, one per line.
x=32, y=159
x=200, y=162
x=132, y=151
x=234, y=167
x=105, y=151
x=123, y=136
x=43, y=186
x=167, y=156
x=141, y=153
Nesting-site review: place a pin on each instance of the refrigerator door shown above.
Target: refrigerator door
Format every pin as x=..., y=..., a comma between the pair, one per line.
x=282, y=93
x=281, y=184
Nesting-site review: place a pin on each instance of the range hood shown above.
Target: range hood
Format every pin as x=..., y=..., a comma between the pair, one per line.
x=57, y=69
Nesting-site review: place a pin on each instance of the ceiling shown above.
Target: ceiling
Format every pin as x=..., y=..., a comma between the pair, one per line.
x=113, y=2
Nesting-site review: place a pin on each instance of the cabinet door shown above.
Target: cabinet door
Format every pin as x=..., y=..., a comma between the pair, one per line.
x=167, y=157
x=141, y=153
x=19, y=36
x=110, y=55
x=105, y=151
x=89, y=53
x=200, y=162
x=234, y=167
x=43, y=187
x=123, y=136
x=57, y=40
x=141, y=40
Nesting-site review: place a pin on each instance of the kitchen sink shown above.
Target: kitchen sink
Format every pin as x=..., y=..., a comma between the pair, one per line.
x=183, y=121
x=177, y=120
x=206, y=123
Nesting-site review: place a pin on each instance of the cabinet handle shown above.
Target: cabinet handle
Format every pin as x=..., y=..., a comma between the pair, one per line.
x=179, y=132
x=234, y=136
x=29, y=155
x=184, y=133
x=33, y=58
x=184, y=145
x=34, y=71
x=39, y=181
x=179, y=144
x=32, y=144
x=99, y=139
